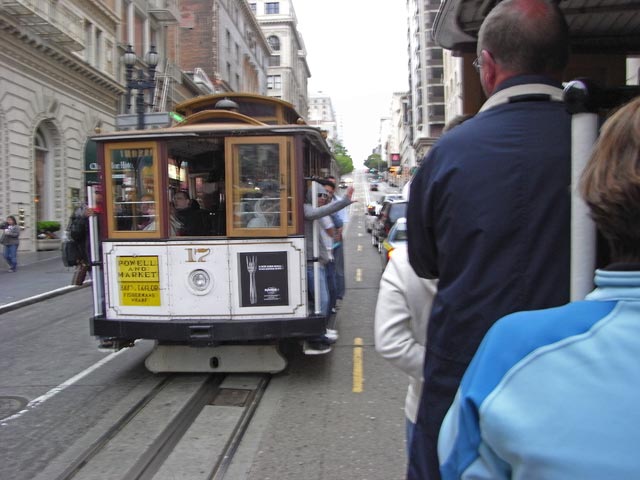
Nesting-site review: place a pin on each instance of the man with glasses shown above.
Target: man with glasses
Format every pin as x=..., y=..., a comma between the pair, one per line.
x=340, y=218
x=321, y=214
x=489, y=207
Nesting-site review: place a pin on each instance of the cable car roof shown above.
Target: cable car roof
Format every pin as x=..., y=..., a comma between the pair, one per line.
x=596, y=26
x=262, y=108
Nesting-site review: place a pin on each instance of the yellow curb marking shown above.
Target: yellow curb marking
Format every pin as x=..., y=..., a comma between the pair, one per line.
x=357, y=365
x=358, y=274
x=359, y=248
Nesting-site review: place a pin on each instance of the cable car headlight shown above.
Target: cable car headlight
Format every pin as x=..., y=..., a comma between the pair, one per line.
x=200, y=281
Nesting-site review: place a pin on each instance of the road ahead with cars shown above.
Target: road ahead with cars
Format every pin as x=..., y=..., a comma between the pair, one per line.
x=338, y=415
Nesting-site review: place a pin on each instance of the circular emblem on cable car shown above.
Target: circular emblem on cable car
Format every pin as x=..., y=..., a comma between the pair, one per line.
x=200, y=282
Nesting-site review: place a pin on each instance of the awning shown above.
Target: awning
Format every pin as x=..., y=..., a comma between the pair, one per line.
x=91, y=167
x=596, y=26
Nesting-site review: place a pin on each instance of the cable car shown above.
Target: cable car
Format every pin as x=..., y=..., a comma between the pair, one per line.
x=199, y=244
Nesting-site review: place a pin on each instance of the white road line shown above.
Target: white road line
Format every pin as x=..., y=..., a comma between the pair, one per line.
x=54, y=391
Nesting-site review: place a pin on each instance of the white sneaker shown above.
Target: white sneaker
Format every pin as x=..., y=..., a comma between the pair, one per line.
x=315, y=348
x=332, y=334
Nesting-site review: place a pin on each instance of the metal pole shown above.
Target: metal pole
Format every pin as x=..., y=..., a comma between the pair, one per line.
x=316, y=251
x=584, y=99
x=140, y=88
x=584, y=132
x=94, y=253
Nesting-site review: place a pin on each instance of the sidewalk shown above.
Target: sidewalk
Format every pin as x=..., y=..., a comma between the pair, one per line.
x=39, y=275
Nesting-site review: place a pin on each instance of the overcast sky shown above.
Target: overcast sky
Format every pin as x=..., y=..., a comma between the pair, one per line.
x=357, y=54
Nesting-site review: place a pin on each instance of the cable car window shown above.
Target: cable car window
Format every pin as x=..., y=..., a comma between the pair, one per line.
x=259, y=186
x=132, y=194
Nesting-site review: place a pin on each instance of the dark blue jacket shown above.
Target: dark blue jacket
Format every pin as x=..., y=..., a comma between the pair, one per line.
x=489, y=215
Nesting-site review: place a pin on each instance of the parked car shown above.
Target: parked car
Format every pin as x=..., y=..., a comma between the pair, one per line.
x=392, y=197
x=390, y=212
x=373, y=186
x=397, y=238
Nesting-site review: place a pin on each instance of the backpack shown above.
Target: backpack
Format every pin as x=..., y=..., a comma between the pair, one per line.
x=70, y=253
x=77, y=227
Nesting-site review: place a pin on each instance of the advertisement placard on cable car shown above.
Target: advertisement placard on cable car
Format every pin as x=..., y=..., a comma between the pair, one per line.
x=205, y=279
x=263, y=279
x=280, y=284
x=139, y=281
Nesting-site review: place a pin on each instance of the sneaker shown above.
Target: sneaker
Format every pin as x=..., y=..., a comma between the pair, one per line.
x=328, y=340
x=313, y=347
x=333, y=310
x=106, y=345
x=331, y=335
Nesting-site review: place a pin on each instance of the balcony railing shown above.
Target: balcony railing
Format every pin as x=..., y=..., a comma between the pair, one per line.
x=165, y=11
x=49, y=19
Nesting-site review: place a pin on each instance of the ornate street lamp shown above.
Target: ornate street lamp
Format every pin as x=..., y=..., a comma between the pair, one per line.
x=142, y=82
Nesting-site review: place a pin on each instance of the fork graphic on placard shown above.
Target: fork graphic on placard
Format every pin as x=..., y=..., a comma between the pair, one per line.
x=252, y=265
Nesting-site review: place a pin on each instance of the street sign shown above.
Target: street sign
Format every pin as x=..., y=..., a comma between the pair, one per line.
x=151, y=120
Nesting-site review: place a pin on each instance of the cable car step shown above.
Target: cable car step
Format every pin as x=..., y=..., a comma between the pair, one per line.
x=223, y=358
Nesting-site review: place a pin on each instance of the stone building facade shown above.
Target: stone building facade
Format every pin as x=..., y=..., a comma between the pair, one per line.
x=426, y=90
x=322, y=115
x=56, y=91
x=62, y=79
x=223, y=39
x=288, y=71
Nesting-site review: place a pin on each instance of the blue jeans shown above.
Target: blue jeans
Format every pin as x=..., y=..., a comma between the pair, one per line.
x=11, y=256
x=338, y=254
x=410, y=428
x=324, y=291
x=330, y=269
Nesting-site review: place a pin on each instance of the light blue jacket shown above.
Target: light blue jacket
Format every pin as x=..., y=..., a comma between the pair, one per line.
x=553, y=394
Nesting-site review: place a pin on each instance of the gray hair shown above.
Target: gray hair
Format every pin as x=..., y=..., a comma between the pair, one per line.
x=526, y=36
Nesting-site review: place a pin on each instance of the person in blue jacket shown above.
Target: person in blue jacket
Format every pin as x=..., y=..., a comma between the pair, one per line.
x=554, y=393
x=489, y=208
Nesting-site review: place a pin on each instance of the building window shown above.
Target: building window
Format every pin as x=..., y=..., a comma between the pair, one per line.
x=43, y=178
x=253, y=7
x=274, y=82
x=272, y=7
x=274, y=42
x=97, y=57
x=274, y=61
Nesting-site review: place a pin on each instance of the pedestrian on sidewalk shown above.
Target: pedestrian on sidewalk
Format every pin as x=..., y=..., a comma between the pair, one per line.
x=11, y=240
x=78, y=231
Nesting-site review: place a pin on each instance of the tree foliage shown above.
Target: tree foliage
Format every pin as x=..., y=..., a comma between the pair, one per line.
x=375, y=161
x=345, y=163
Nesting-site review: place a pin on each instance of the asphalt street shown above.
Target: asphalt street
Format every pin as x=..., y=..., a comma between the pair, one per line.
x=40, y=275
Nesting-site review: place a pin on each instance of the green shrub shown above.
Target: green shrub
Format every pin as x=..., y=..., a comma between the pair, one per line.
x=48, y=226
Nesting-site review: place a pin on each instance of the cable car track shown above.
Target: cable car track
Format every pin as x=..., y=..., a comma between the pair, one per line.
x=161, y=454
